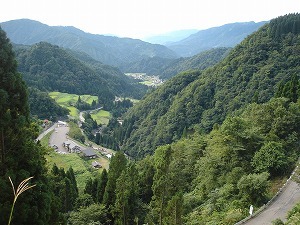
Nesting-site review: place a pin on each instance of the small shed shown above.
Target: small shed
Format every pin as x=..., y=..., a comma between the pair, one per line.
x=89, y=153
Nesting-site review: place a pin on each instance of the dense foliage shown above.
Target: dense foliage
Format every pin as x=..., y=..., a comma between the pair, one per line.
x=167, y=68
x=20, y=156
x=252, y=72
x=215, y=140
x=44, y=107
x=50, y=68
x=201, y=179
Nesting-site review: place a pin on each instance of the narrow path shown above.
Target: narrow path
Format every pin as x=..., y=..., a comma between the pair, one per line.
x=280, y=207
x=44, y=133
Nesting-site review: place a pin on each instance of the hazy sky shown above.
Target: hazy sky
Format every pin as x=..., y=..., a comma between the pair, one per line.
x=141, y=18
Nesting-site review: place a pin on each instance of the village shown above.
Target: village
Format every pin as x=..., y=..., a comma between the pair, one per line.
x=62, y=144
x=149, y=80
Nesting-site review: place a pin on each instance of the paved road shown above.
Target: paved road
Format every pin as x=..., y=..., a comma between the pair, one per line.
x=44, y=133
x=279, y=207
x=58, y=137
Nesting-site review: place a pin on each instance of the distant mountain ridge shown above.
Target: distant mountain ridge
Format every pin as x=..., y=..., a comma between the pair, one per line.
x=106, y=49
x=51, y=68
x=167, y=68
x=228, y=35
x=170, y=37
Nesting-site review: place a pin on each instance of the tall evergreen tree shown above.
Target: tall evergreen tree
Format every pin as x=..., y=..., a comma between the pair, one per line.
x=20, y=156
x=126, y=206
x=117, y=165
x=101, y=186
x=161, y=183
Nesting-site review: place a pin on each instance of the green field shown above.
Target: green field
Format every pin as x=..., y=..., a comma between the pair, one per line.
x=66, y=161
x=82, y=168
x=101, y=116
x=69, y=100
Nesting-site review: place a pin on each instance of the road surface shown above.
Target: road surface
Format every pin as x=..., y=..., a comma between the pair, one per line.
x=280, y=207
x=45, y=132
x=58, y=137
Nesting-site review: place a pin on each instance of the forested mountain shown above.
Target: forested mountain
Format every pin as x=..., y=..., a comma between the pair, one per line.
x=51, y=68
x=170, y=37
x=106, y=49
x=43, y=106
x=167, y=68
x=191, y=101
x=228, y=35
x=221, y=140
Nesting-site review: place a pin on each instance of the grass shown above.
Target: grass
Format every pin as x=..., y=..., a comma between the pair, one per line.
x=275, y=185
x=101, y=116
x=104, y=162
x=66, y=161
x=82, y=168
x=69, y=100
x=73, y=112
x=23, y=186
x=45, y=140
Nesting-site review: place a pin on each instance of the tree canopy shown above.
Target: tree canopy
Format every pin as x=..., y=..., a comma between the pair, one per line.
x=20, y=156
x=252, y=72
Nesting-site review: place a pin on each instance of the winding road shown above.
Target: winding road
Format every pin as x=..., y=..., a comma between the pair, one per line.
x=279, y=207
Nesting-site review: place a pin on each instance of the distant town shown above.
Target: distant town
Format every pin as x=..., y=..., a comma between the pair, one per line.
x=149, y=80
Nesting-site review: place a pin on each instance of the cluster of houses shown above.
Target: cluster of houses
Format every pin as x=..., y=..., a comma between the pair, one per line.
x=71, y=147
x=90, y=153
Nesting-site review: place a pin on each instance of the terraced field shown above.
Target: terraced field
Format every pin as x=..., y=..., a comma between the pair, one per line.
x=69, y=100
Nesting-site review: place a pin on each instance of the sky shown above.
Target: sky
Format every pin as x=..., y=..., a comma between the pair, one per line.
x=144, y=18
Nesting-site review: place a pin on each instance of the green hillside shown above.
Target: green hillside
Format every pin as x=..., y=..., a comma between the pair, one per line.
x=167, y=68
x=201, y=148
x=250, y=73
x=228, y=35
x=50, y=68
x=106, y=49
x=214, y=178
x=44, y=107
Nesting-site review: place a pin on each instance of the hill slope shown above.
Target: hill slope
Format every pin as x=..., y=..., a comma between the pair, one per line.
x=106, y=49
x=170, y=37
x=250, y=73
x=167, y=68
x=50, y=68
x=228, y=35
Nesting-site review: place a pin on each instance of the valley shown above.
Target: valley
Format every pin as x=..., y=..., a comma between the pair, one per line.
x=215, y=132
